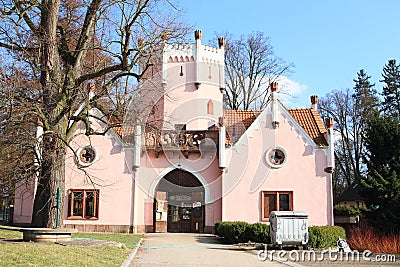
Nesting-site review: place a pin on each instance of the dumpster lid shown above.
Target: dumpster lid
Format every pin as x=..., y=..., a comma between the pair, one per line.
x=288, y=214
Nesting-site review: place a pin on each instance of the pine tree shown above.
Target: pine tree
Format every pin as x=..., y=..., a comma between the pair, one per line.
x=365, y=96
x=391, y=90
x=381, y=187
x=365, y=105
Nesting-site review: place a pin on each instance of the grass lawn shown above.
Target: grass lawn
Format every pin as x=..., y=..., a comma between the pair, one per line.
x=44, y=254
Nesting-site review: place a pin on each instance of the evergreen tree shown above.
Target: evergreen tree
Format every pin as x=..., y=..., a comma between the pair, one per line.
x=365, y=105
x=365, y=96
x=381, y=187
x=391, y=89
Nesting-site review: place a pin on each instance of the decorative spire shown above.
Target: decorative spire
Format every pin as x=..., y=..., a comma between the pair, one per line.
x=198, y=34
x=140, y=42
x=314, y=102
x=275, y=109
x=329, y=123
x=221, y=42
x=164, y=35
x=91, y=88
x=274, y=87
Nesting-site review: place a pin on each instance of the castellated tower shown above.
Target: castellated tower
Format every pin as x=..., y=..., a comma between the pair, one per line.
x=186, y=86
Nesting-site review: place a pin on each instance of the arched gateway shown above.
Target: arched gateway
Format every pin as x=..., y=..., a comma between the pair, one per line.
x=179, y=203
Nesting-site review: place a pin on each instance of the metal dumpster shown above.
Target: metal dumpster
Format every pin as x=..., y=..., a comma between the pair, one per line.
x=289, y=228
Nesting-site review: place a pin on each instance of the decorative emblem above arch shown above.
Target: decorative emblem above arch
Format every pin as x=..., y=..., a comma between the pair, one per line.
x=201, y=179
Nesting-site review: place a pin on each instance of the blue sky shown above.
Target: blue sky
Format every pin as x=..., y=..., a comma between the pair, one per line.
x=327, y=41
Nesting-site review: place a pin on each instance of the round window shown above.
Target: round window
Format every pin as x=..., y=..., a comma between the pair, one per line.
x=86, y=155
x=276, y=157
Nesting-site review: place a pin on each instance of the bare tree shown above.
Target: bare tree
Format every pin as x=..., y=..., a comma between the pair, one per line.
x=339, y=106
x=251, y=65
x=351, y=110
x=57, y=47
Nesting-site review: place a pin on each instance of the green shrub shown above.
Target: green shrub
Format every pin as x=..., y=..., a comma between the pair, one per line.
x=259, y=233
x=241, y=232
x=217, y=228
x=236, y=232
x=232, y=232
x=325, y=236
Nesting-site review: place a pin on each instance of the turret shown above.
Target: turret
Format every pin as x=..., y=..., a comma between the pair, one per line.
x=274, y=99
x=331, y=149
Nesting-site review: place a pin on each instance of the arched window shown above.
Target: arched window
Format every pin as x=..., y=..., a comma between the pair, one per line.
x=210, y=107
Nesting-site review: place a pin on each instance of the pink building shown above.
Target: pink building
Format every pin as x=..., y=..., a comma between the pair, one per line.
x=185, y=163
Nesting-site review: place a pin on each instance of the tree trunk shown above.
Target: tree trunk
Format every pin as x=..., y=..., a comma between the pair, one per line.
x=52, y=175
x=52, y=178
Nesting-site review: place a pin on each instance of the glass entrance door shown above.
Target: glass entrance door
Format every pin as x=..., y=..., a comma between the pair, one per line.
x=185, y=219
x=179, y=219
x=184, y=202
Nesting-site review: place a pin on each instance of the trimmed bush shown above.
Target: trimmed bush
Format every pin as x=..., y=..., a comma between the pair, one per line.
x=259, y=233
x=232, y=232
x=217, y=228
x=242, y=232
x=325, y=236
x=235, y=232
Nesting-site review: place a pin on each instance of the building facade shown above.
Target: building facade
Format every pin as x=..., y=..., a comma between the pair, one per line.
x=183, y=163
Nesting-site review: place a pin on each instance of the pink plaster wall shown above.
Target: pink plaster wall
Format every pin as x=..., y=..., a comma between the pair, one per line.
x=110, y=173
x=184, y=103
x=153, y=169
x=248, y=174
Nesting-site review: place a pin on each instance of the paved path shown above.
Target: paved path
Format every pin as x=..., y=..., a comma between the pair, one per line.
x=192, y=250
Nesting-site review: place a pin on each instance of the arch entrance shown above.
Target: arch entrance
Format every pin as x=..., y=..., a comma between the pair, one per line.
x=179, y=203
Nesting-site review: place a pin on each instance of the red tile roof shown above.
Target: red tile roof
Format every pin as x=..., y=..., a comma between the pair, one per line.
x=312, y=123
x=244, y=117
x=238, y=121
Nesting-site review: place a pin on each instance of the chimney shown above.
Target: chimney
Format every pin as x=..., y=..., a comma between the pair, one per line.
x=164, y=35
x=274, y=104
x=39, y=122
x=198, y=34
x=140, y=42
x=91, y=88
x=331, y=148
x=329, y=123
x=221, y=144
x=274, y=86
x=314, y=102
x=221, y=42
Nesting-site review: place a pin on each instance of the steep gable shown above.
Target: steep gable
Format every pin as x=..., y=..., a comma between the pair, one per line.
x=238, y=121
